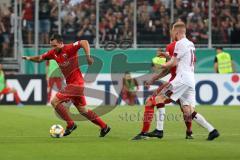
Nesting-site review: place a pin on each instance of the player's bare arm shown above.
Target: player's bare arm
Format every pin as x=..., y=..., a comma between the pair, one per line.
x=172, y=63
x=86, y=47
x=160, y=75
x=216, y=67
x=36, y=59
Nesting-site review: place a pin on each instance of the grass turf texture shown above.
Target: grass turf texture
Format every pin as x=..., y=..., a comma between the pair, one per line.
x=25, y=135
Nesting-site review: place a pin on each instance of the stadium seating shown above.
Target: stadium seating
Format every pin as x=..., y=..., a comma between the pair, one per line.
x=117, y=17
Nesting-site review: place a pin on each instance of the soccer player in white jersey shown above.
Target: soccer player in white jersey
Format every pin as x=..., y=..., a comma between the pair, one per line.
x=183, y=86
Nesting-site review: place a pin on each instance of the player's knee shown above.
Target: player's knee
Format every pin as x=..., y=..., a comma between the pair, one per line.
x=148, y=101
x=82, y=109
x=186, y=110
x=13, y=90
x=160, y=99
x=55, y=102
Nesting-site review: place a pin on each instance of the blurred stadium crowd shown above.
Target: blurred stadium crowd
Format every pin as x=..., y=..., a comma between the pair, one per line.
x=117, y=18
x=154, y=19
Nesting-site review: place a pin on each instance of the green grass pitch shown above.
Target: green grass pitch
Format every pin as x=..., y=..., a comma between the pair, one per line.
x=24, y=135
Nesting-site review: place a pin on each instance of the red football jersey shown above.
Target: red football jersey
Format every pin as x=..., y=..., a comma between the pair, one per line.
x=170, y=48
x=67, y=59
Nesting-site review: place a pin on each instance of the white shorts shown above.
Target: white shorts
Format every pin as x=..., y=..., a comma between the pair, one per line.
x=179, y=91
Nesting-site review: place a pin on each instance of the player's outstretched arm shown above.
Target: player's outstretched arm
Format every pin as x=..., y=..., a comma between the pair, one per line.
x=162, y=74
x=37, y=59
x=164, y=54
x=172, y=63
x=86, y=47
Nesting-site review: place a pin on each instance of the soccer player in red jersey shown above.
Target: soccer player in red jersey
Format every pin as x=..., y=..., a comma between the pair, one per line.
x=150, y=103
x=67, y=58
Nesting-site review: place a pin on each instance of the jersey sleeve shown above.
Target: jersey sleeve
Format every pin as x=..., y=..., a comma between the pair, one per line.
x=178, y=51
x=168, y=48
x=76, y=45
x=48, y=55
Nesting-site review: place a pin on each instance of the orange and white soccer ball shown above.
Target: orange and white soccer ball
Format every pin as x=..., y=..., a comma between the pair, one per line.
x=57, y=131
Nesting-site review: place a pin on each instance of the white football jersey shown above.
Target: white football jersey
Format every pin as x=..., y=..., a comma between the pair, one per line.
x=185, y=53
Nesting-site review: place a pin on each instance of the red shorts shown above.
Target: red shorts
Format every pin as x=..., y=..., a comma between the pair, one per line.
x=5, y=90
x=74, y=93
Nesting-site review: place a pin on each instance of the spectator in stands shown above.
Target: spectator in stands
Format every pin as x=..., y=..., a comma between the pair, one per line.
x=28, y=23
x=181, y=10
x=87, y=31
x=2, y=40
x=224, y=21
x=236, y=31
x=153, y=23
x=113, y=30
x=79, y=18
x=44, y=21
x=5, y=28
x=116, y=16
x=223, y=62
x=194, y=32
x=203, y=26
x=153, y=19
x=102, y=30
x=54, y=16
x=127, y=30
x=194, y=16
x=69, y=26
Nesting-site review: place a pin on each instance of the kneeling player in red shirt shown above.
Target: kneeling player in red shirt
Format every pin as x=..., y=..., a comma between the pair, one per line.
x=4, y=89
x=67, y=58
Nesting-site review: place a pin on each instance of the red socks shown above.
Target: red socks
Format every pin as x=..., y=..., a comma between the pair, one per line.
x=16, y=97
x=93, y=117
x=160, y=105
x=188, y=123
x=188, y=120
x=49, y=96
x=64, y=115
x=90, y=115
x=189, y=126
x=148, y=116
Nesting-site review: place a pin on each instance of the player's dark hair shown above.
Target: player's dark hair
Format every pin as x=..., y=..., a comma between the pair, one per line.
x=57, y=37
x=127, y=72
x=221, y=48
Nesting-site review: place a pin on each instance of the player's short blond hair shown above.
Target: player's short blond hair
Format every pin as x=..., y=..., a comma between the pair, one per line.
x=180, y=26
